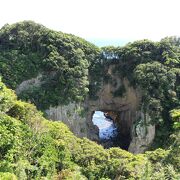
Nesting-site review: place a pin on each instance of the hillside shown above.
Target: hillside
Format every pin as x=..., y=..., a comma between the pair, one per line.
x=34, y=148
x=68, y=79
x=28, y=49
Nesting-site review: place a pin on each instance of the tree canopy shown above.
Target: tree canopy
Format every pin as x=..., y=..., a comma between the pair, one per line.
x=72, y=69
x=28, y=49
x=32, y=147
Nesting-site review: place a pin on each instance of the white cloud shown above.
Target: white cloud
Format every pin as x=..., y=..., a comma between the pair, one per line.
x=109, y=19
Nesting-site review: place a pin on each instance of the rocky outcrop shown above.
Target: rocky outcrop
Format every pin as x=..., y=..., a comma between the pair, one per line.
x=72, y=115
x=126, y=112
x=135, y=134
x=124, y=107
x=143, y=134
x=30, y=83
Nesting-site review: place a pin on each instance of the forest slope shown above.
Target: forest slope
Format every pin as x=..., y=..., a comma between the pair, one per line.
x=72, y=70
x=33, y=148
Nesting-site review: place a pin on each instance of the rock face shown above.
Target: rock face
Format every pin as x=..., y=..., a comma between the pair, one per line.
x=134, y=133
x=124, y=107
x=77, y=122
x=25, y=85
x=126, y=112
x=143, y=134
x=72, y=116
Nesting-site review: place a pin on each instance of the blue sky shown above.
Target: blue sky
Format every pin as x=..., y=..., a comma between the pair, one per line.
x=104, y=22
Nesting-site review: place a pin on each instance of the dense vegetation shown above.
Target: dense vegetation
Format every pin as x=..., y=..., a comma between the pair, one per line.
x=32, y=147
x=155, y=69
x=28, y=49
x=71, y=68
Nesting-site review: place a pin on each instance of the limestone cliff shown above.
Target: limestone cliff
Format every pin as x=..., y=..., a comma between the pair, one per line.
x=143, y=134
x=134, y=133
x=126, y=112
x=132, y=82
x=70, y=115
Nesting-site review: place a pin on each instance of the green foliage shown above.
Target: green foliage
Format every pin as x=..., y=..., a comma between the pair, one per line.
x=159, y=90
x=157, y=82
x=159, y=78
x=96, y=72
x=69, y=174
x=175, y=115
x=174, y=155
x=16, y=66
x=7, y=176
x=134, y=169
x=7, y=98
x=32, y=147
x=28, y=49
x=154, y=68
x=157, y=156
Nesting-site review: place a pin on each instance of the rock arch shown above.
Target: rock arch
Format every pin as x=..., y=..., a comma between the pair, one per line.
x=124, y=109
x=136, y=136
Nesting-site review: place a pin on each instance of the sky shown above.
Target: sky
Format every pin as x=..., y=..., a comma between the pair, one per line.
x=103, y=22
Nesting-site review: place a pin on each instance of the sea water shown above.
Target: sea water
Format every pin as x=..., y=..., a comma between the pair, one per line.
x=107, y=129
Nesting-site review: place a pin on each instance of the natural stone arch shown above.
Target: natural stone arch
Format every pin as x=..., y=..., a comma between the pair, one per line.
x=128, y=106
x=125, y=109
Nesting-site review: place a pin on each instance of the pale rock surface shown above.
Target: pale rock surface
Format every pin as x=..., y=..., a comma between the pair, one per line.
x=127, y=112
x=25, y=85
x=70, y=115
x=143, y=135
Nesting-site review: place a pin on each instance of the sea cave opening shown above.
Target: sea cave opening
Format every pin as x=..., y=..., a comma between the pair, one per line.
x=113, y=132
